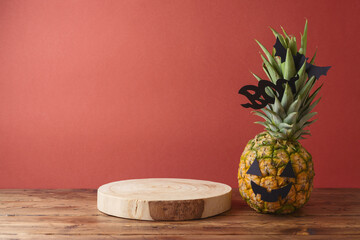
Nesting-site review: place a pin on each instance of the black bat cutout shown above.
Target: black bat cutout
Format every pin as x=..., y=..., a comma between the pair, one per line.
x=316, y=71
x=259, y=99
x=280, y=50
x=299, y=60
x=272, y=196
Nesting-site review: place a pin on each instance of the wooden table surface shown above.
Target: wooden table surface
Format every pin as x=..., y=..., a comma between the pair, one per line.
x=72, y=214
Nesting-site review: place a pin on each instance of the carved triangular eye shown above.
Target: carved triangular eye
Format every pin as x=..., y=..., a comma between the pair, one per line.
x=254, y=169
x=288, y=171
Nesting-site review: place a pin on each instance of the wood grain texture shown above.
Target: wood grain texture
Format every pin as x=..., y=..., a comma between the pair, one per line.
x=164, y=199
x=72, y=214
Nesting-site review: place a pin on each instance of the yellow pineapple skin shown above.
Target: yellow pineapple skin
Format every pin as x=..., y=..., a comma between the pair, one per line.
x=273, y=155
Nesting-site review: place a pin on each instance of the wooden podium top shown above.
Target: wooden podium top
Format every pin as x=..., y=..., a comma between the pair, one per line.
x=164, y=199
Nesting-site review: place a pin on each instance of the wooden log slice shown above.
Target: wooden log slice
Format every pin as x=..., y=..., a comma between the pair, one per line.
x=164, y=199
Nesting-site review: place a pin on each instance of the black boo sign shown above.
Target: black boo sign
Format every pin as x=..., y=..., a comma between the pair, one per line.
x=259, y=99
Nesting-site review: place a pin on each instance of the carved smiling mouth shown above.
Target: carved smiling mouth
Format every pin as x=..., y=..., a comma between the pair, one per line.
x=272, y=196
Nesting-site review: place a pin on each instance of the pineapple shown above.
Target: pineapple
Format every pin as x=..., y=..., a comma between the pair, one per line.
x=276, y=172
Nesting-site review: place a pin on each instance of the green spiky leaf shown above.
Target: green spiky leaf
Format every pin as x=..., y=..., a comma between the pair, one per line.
x=295, y=106
x=274, y=116
x=287, y=98
x=262, y=123
x=256, y=76
x=310, y=107
x=292, y=46
x=291, y=118
x=286, y=35
x=278, y=108
x=286, y=125
x=281, y=38
x=307, y=117
x=313, y=58
x=260, y=114
x=304, y=92
x=270, y=59
x=302, y=77
x=304, y=40
x=289, y=69
x=271, y=70
x=272, y=127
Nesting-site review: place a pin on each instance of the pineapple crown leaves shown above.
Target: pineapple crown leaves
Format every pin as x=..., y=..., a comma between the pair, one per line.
x=289, y=113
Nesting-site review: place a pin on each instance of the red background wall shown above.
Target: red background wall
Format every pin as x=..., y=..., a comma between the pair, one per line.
x=98, y=91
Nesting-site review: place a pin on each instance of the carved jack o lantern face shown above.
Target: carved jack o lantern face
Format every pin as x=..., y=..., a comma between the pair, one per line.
x=274, y=194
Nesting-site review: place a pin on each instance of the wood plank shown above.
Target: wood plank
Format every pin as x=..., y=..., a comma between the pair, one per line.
x=67, y=208
x=272, y=225
x=82, y=202
x=60, y=214
x=176, y=237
